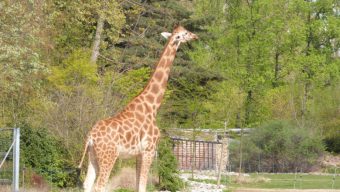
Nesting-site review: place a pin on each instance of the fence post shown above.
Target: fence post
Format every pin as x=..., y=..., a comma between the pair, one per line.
x=222, y=155
x=295, y=178
x=16, y=158
x=333, y=179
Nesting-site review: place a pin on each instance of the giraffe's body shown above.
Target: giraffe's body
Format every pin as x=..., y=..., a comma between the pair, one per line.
x=133, y=131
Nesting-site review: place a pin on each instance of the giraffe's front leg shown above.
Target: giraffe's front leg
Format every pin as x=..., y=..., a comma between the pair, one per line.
x=144, y=165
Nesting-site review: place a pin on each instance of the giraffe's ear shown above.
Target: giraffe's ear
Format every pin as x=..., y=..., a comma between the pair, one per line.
x=166, y=35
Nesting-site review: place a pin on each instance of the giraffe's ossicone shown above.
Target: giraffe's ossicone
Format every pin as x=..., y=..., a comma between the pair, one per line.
x=133, y=131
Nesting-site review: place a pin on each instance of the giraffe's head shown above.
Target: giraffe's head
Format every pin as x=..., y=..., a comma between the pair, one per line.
x=180, y=35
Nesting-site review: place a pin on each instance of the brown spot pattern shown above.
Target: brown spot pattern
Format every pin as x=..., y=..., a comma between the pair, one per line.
x=154, y=88
x=159, y=75
x=150, y=98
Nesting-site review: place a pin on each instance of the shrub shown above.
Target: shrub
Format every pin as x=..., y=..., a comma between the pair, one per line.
x=281, y=146
x=46, y=155
x=167, y=167
x=333, y=143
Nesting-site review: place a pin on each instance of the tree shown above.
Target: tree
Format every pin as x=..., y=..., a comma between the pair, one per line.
x=21, y=70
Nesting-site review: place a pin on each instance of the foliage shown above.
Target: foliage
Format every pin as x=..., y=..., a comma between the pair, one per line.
x=167, y=167
x=224, y=103
x=259, y=47
x=47, y=155
x=76, y=71
x=325, y=113
x=21, y=70
x=75, y=23
x=333, y=143
x=132, y=83
x=71, y=85
x=281, y=146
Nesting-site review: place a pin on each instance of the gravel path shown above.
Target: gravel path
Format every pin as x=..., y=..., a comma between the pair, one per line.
x=200, y=186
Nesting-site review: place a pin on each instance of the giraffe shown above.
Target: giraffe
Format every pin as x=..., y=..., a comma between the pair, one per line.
x=133, y=131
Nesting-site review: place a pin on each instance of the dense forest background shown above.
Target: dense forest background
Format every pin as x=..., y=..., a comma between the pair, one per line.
x=64, y=64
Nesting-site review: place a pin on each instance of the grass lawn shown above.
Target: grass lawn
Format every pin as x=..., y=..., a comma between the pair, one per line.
x=301, y=181
x=282, y=181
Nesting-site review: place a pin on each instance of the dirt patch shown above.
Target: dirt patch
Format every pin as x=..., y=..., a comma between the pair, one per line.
x=126, y=178
x=327, y=161
x=246, y=180
x=331, y=160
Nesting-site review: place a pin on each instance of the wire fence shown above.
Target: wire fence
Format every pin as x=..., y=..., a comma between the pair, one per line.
x=200, y=157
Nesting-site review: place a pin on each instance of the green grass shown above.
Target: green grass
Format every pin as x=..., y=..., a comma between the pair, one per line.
x=281, y=181
x=301, y=181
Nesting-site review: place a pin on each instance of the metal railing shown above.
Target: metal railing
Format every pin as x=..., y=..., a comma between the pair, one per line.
x=197, y=155
x=13, y=147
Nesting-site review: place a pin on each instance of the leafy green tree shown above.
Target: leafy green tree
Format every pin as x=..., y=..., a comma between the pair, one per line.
x=223, y=104
x=91, y=24
x=132, y=83
x=21, y=69
x=265, y=48
x=74, y=100
x=75, y=72
x=325, y=114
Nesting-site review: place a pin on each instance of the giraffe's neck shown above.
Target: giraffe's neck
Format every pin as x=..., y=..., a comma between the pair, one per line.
x=153, y=92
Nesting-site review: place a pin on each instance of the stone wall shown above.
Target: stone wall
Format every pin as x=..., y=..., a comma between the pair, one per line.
x=222, y=155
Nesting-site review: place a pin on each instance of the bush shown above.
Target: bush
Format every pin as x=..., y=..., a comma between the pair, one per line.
x=46, y=155
x=167, y=167
x=333, y=143
x=281, y=146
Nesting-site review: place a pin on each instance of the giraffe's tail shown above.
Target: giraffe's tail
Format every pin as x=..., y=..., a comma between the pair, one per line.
x=88, y=142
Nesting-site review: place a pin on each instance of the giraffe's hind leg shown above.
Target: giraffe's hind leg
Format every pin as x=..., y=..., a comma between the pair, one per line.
x=145, y=163
x=105, y=165
x=138, y=169
x=92, y=171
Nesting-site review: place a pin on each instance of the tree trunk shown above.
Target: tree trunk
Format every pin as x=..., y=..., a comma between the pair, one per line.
x=241, y=155
x=276, y=70
x=97, y=39
x=248, y=107
x=304, y=108
x=306, y=69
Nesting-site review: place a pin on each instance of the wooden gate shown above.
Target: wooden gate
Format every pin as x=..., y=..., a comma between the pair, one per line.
x=197, y=155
